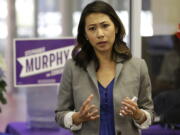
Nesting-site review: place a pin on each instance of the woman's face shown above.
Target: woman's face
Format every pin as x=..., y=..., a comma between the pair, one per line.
x=100, y=31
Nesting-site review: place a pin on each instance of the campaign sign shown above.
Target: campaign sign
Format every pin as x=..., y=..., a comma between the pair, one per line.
x=40, y=62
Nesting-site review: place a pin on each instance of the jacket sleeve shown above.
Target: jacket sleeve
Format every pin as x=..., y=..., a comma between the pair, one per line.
x=145, y=94
x=65, y=95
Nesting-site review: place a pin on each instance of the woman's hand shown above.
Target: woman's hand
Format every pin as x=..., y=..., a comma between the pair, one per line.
x=131, y=109
x=87, y=112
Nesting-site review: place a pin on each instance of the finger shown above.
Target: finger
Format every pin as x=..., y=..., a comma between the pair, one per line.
x=90, y=109
x=123, y=113
x=122, y=108
x=126, y=110
x=85, y=110
x=129, y=106
x=129, y=110
x=94, y=117
x=126, y=113
x=86, y=102
x=129, y=101
x=94, y=112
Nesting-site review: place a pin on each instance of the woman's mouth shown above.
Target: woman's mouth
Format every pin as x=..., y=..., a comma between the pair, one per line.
x=101, y=43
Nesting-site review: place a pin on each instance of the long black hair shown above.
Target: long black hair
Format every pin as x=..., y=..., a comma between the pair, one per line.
x=83, y=52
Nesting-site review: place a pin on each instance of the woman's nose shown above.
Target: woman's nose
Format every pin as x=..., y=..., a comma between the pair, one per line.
x=100, y=33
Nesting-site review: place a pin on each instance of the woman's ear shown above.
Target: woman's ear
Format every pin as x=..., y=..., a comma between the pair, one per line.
x=86, y=37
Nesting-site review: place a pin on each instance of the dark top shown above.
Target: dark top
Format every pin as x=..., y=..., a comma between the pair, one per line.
x=106, y=109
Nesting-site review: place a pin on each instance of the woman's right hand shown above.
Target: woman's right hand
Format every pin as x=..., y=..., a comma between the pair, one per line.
x=87, y=112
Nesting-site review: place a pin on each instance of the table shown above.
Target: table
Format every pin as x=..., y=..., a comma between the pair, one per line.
x=22, y=128
x=160, y=130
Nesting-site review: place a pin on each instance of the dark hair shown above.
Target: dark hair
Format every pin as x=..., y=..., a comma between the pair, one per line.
x=83, y=52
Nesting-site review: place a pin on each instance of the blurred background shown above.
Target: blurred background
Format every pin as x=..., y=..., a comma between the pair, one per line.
x=159, y=27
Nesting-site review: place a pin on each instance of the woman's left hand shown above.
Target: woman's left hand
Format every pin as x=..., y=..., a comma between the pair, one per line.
x=131, y=109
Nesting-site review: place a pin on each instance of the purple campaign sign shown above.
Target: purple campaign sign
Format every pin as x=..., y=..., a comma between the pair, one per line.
x=40, y=62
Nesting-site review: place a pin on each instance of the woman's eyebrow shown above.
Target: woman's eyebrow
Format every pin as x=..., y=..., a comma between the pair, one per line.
x=97, y=23
x=104, y=22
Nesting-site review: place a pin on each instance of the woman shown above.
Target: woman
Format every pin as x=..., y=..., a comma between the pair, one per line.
x=98, y=84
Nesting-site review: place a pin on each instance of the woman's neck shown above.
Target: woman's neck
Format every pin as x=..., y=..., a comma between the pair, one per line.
x=104, y=58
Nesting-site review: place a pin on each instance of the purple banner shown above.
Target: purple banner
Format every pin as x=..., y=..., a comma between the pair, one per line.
x=40, y=62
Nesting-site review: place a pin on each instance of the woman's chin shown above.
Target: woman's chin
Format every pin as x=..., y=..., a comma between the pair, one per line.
x=104, y=50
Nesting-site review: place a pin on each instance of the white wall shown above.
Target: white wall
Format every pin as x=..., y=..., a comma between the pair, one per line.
x=166, y=16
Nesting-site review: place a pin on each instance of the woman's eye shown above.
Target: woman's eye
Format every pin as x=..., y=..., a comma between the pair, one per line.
x=92, y=29
x=105, y=25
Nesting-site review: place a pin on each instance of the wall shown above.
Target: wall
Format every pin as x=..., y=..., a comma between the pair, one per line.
x=166, y=16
